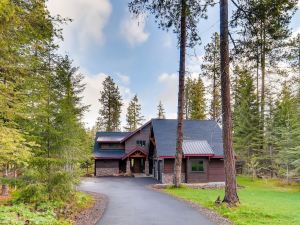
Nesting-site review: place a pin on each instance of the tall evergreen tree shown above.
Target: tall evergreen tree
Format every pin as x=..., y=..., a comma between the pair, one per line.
x=197, y=97
x=110, y=109
x=262, y=26
x=231, y=196
x=211, y=70
x=160, y=111
x=246, y=128
x=286, y=127
x=133, y=117
x=183, y=17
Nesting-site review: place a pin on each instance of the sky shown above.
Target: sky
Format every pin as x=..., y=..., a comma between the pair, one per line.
x=105, y=39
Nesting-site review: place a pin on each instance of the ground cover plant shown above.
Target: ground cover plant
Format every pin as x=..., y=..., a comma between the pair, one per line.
x=263, y=201
x=15, y=212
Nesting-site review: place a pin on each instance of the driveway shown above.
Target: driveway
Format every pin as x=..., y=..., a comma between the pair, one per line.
x=131, y=203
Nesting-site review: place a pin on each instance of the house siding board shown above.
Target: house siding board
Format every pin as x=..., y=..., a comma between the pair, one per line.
x=169, y=166
x=111, y=146
x=143, y=134
x=216, y=170
x=197, y=177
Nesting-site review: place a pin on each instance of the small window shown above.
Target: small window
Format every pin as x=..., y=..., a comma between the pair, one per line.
x=141, y=143
x=197, y=165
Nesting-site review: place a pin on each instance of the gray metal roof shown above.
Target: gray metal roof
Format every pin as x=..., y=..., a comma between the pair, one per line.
x=111, y=154
x=206, y=130
x=193, y=147
x=111, y=136
x=106, y=136
x=110, y=139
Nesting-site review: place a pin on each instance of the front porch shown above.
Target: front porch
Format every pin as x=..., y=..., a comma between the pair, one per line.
x=137, y=162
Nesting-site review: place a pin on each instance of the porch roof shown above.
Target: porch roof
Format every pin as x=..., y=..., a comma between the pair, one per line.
x=109, y=154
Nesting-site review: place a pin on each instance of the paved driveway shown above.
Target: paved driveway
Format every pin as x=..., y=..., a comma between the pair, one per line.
x=131, y=203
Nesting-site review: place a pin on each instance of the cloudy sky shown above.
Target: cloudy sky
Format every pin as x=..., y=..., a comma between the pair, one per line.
x=104, y=39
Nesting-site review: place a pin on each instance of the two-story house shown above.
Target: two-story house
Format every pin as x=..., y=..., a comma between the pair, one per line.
x=151, y=150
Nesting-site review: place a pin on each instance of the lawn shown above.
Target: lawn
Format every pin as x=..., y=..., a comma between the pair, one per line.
x=262, y=202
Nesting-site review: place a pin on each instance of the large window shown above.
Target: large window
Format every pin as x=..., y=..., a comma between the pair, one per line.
x=197, y=165
x=141, y=143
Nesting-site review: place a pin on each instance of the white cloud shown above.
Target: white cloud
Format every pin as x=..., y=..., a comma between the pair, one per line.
x=168, y=42
x=124, y=79
x=91, y=95
x=165, y=77
x=132, y=28
x=169, y=93
x=89, y=19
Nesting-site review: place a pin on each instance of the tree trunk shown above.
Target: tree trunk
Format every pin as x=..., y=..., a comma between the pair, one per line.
x=178, y=157
x=231, y=197
x=5, y=188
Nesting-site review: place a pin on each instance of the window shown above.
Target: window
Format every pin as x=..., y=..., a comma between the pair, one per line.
x=197, y=165
x=141, y=143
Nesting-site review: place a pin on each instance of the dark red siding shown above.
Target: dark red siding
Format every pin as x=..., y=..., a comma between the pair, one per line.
x=197, y=177
x=169, y=166
x=216, y=170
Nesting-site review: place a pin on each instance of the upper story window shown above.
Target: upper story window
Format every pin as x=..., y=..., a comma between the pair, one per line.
x=141, y=143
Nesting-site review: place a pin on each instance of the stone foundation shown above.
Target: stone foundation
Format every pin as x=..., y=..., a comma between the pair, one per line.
x=167, y=178
x=100, y=172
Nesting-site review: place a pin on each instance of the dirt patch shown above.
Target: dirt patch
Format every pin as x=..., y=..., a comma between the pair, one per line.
x=93, y=214
x=215, y=185
x=210, y=214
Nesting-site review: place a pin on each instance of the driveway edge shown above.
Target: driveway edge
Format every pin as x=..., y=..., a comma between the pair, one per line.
x=93, y=215
x=208, y=213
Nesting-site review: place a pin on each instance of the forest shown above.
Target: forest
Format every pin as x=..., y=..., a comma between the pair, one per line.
x=251, y=85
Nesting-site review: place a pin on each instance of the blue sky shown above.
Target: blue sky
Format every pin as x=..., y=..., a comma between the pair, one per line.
x=104, y=39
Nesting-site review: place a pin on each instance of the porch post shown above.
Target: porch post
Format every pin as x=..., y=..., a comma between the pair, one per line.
x=147, y=167
x=128, y=171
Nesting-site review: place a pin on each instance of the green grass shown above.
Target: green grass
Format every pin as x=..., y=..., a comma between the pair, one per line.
x=262, y=202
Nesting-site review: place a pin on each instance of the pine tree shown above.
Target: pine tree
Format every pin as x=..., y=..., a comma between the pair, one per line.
x=187, y=97
x=160, y=111
x=231, y=197
x=263, y=26
x=197, y=97
x=133, y=117
x=246, y=121
x=182, y=17
x=211, y=70
x=286, y=128
x=110, y=109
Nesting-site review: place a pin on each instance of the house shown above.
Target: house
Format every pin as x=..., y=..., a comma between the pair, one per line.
x=151, y=150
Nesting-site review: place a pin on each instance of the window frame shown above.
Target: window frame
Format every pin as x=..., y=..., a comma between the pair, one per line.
x=141, y=143
x=197, y=161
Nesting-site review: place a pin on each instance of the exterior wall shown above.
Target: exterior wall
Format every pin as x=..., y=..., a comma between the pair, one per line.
x=106, y=167
x=216, y=170
x=197, y=177
x=143, y=134
x=168, y=171
x=112, y=146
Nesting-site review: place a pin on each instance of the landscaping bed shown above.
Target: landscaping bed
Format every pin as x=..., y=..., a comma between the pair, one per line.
x=82, y=209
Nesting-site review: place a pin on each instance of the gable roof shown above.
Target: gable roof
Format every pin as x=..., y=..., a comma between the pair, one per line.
x=204, y=136
x=102, y=136
x=137, y=130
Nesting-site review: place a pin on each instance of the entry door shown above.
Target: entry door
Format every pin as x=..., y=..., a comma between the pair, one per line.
x=137, y=165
